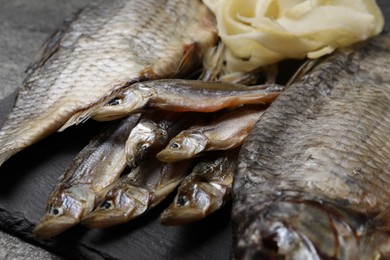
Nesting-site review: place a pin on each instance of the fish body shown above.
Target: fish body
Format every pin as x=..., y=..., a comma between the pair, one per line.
x=313, y=180
x=184, y=96
x=97, y=166
x=204, y=191
x=135, y=193
x=226, y=132
x=105, y=47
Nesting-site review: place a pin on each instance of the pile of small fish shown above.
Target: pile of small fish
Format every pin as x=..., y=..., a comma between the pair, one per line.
x=309, y=182
x=114, y=63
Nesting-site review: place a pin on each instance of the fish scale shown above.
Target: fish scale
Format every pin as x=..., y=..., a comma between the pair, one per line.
x=107, y=46
x=317, y=161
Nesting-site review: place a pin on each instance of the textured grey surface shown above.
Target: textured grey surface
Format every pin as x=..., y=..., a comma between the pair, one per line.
x=16, y=249
x=25, y=24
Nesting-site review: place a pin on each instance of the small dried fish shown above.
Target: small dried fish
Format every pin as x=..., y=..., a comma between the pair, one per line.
x=204, y=191
x=98, y=165
x=107, y=46
x=313, y=176
x=137, y=192
x=183, y=96
x=153, y=132
x=226, y=132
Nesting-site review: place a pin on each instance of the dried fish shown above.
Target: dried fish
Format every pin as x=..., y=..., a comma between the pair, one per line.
x=137, y=192
x=107, y=46
x=226, y=132
x=313, y=176
x=98, y=165
x=184, y=96
x=204, y=191
x=153, y=132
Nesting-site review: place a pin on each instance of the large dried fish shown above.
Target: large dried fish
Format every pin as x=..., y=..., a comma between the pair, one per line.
x=108, y=45
x=313, y=176
x=97, y=166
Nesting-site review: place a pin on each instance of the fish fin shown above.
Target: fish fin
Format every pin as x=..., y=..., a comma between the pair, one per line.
x=375, y=242
x=79, y=118
x=76, y=119
x=305, y=68
x=82, y=116
x=382, y=220
x=190, y=57
x=375, y=245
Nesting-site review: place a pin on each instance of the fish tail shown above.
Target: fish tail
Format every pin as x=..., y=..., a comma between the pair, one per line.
x=296, y=230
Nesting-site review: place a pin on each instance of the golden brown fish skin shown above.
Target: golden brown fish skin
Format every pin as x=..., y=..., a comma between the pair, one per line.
x=313, y=176
x=98, y=165
x=147, y=135
x=204, y=191
x=184, y=96
x=153, y=132
x=109, y=45
x=226, y=132
x=134, y=194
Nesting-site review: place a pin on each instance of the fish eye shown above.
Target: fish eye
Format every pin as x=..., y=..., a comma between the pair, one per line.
x=114, y=102
x=145, y=146
x=175, y=145
x=107, y=204
x=56, y=211
x=182, y=201
x=208, y=168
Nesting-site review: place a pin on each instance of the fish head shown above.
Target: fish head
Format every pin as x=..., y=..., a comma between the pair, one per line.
x=136, y=152
x=142, y=139
x=194, y=201
x=183, y=146
x=296, y=229
x=119, y=105
x=121, y=204
x=63, y=210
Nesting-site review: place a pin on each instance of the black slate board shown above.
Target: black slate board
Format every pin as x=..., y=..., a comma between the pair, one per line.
x=27, y=178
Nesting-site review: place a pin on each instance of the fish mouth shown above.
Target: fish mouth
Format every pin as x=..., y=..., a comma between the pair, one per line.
x=168, y=156
x=107, y=113
x=180, y=216
x=52, y=226
x=105, y=218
